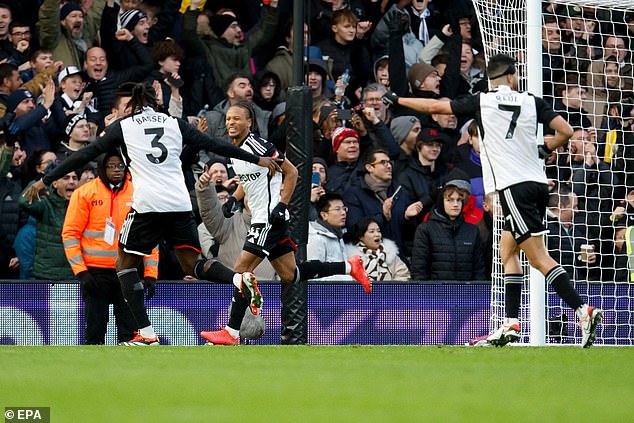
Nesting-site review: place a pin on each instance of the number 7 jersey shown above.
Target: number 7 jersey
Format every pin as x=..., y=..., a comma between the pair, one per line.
x=507, y=121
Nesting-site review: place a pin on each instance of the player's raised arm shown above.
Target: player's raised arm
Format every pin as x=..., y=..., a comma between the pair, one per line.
x=424, y=105
x=106, y=141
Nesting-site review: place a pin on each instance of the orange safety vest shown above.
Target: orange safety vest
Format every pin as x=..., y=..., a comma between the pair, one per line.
x=83, y=234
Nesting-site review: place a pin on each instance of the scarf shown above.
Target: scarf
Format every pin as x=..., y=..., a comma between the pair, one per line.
x=337, y=231
x=375, y=262
x=378, y=187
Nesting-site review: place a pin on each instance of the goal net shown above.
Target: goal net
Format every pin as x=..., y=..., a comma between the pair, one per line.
x=577, y=55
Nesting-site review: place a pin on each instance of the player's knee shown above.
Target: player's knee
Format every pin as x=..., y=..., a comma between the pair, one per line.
x=287, y=276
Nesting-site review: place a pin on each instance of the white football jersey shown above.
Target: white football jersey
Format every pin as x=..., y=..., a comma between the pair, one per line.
x=153, y=145
x=508, y=121
x=262, y=191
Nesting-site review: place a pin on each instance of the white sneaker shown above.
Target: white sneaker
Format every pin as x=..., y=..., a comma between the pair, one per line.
x=589, y=319
x=508, y=332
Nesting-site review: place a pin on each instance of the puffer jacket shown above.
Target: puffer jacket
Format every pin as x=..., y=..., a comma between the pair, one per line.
x=446, y=249
x=49, y=261
x=323, y=244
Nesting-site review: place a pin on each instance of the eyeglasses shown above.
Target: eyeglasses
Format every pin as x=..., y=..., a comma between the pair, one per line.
x=350, y=141
x=372, y=100
x=119, y=166
x=338, y=209
x=381, y=162
x=21, y=34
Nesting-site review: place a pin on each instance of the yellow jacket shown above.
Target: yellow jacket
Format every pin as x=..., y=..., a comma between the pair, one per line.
x=84, y=231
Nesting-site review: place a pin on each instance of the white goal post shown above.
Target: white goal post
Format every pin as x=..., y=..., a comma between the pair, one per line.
x=593, y=169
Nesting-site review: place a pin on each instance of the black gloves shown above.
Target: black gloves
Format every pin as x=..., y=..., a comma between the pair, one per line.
x=390, y=98
x=398, y=22
x=278, y=214
x=227, y=207
x=543, y=151
x=88, y=284
x=149, y=284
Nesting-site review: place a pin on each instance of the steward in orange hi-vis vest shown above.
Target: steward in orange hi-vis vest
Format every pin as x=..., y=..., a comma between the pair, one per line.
x=94, y=218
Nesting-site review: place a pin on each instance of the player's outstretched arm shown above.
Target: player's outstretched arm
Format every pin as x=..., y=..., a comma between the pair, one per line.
x=424, y=105
x=563, y=132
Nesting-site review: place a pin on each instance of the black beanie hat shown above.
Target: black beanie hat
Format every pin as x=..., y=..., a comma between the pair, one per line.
x=220, y=23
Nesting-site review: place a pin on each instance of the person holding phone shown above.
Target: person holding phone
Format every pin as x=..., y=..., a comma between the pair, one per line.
x=380, y=197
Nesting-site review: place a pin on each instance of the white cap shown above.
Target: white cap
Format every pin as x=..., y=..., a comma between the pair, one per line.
x=69, y=71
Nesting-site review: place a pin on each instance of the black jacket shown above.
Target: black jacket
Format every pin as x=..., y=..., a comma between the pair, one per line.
x=447, y=249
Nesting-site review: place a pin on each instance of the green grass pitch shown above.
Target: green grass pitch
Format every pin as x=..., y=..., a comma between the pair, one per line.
x=321, y=384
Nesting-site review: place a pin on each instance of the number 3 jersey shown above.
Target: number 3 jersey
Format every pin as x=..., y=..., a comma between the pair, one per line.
x=262, y=191
x=152, y=149
x=508, y=121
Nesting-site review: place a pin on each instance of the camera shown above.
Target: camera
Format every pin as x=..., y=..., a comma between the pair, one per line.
x=344, y=114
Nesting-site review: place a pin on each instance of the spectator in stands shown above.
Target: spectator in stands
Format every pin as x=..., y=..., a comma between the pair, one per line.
x=103, y=82
x=229, y=53
x=405, y=130
x=423, y=175
x=228, y=233
x=148, y=29
x=552, y=56
x=36, y=163
x=77, y=133
x=238, y=87
x=623, y=211
x=569, y=103
x=600, y=87
x=282, y=62
x=325, y=235
x=267, y=90
x=219, y=174
x=616, y=45
x=49, y=261
x=67, y=32
x=168, y=56
x=347, y=48
x=564, y=237
x=445, y=246
x=71, y=98
x=614, y=265
x=380, y=255
x=467, y=158
x=377, y=195
x=576, y=39
x=94, y=218
x=382, y=71
x=29, y=118
x=20, y=49
x=317, y=190
x=348, y=169
x=10, y=216
x=317, y=76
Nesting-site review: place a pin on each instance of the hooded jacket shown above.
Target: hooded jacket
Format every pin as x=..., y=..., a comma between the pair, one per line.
x=446, y=249
x=84, y=231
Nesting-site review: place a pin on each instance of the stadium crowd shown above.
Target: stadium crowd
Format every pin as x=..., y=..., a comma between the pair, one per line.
x=399, y=188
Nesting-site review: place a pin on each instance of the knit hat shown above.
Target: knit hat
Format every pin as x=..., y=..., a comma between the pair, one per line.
x=67, y=9
x=130, y=18
x=16, y=97
x=340, y=134
x=400, y=127
x=418, y=73
x=459, y=179
x=71, y=121
x=220, y=23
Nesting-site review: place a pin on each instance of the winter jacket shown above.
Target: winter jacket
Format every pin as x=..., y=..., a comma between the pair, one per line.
x=420, y=181
x=225, y=58
x=282, y=65
x=383, y=265
x=55, y=37
x=447, y=249
x=91, y=206
x=49, y=261
x=381, y=37
x=229, y=233
x=362, y=201
x=323, y=244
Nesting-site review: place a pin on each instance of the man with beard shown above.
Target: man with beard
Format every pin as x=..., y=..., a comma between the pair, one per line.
x=71, y=36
